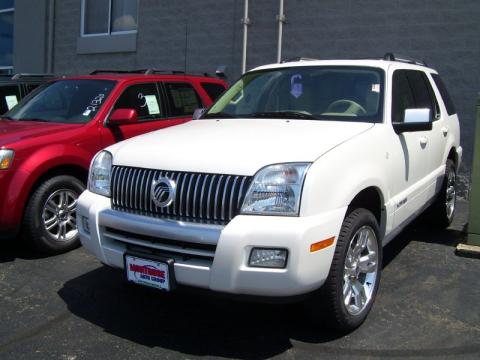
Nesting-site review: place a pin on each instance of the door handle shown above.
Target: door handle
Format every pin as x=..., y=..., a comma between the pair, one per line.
x=423, y=141
x=444, y=131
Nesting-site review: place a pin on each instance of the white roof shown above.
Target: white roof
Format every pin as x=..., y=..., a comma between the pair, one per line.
x=383, y=64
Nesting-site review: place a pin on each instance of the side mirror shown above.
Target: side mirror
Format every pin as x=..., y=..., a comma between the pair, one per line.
x=414, y=120
x=123, y=116
x=220, y=72
x=197, y=114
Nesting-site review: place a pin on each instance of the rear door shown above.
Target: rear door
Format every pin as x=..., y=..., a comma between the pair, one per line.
x=443, y=127
x=182, y=100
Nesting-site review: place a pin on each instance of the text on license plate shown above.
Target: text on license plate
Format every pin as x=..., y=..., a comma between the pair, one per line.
x=147, y=272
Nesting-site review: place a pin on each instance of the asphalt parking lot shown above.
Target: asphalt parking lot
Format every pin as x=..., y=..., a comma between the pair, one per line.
x=72, y=307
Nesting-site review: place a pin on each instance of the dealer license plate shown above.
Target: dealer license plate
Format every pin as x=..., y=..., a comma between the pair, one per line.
x=148, y=272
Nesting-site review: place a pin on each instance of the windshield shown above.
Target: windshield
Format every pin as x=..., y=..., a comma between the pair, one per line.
x=307, y=92
x=64, y=101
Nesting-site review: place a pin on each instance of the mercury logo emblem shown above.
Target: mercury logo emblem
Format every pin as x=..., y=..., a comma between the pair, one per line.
x=162, y=192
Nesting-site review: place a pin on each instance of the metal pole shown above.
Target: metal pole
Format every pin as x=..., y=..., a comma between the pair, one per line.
x=51, y=29
x=474, y=217
x=246, y=22
x=281, y=18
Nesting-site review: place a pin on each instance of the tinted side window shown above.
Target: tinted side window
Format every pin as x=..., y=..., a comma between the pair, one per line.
x=402, y=96
x=422, y=92
x=182, y=98
x=144, y=98
x=9, y=97
x=445, y=95
x=30, y=87
x=213, y=90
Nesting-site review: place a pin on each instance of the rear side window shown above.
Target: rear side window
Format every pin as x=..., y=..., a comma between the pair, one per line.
x=213, y=90
x=144, y=98
x=182, y=98
x=30, y=87
x=445, y=95
x=9, y=97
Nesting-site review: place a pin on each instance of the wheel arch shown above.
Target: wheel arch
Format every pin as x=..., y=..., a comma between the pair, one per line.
x=452, y=155
x=74, y=170
x=372, y=199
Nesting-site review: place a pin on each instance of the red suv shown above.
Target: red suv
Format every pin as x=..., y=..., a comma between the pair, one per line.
x=48, y=140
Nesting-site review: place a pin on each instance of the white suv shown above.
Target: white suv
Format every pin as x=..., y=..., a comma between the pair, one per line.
x=291, y=182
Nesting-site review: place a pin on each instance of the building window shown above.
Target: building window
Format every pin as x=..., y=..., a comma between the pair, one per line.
x=106, y=17
x=6, y=35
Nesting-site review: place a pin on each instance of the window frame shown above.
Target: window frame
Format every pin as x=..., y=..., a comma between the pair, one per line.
x=444, y=94
x=2, y=11
x=435, y=111
x=110, y=32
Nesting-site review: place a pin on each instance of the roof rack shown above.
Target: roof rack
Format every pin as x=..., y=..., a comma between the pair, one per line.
x=31, y=75
x=402, y=58
x=298, y=58
x=145, y=72
x=116, y=71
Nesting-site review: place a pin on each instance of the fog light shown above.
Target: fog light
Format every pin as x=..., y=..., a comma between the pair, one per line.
x=86, y=224
x=268, y=258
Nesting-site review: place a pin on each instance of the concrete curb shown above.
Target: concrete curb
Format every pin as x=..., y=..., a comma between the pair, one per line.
x=468, y=250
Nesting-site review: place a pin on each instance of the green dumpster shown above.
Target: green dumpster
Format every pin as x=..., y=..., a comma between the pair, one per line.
x=474, y=220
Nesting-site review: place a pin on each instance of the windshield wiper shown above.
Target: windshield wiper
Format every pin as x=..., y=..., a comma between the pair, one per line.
x=6, y=118
x=283, y=114
x=218, y=115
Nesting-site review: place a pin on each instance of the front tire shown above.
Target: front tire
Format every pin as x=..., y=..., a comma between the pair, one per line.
x=50, y=217
x=352, y=284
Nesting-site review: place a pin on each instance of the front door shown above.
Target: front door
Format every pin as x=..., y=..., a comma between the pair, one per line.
x=414, y=148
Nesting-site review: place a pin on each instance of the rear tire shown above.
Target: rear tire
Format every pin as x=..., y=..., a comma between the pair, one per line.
x=351, y=286
x=442, y=211
x=50, y=217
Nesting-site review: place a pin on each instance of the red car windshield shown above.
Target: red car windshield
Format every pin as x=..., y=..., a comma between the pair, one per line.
x=64, y=101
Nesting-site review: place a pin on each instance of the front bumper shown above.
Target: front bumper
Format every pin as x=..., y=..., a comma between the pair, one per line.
x=212, y=256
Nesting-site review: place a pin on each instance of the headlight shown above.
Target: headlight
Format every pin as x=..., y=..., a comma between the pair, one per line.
x=6, y=159
x=276, y=190
x=100, y=170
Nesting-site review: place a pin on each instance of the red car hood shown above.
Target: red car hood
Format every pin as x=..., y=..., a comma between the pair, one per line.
x=13, y=131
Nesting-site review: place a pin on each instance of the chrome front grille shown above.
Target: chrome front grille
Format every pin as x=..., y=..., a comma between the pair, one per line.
x=209, y=198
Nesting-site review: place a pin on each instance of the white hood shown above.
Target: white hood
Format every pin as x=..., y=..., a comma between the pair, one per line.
x=234, y=146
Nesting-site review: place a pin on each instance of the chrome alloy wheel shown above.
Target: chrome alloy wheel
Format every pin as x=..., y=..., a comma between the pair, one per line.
x=360, y=270
x=59, y=215
x=450, y=196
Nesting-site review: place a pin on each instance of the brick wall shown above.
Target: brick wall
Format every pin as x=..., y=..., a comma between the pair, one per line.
x=200, y=35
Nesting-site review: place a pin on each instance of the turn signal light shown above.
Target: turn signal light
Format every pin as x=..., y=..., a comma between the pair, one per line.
x=322, y=244
x=6, y=158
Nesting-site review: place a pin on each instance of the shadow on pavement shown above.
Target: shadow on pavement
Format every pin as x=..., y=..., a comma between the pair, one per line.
x=200, y=325
x=11, y=249
x=189, y=323
x=421, y=231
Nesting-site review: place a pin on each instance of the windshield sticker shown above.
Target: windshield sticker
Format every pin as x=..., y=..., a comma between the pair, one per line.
x=296, y=86
x=11, y=101
x=376, y=88
x=152, y=104
x=94, y=104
